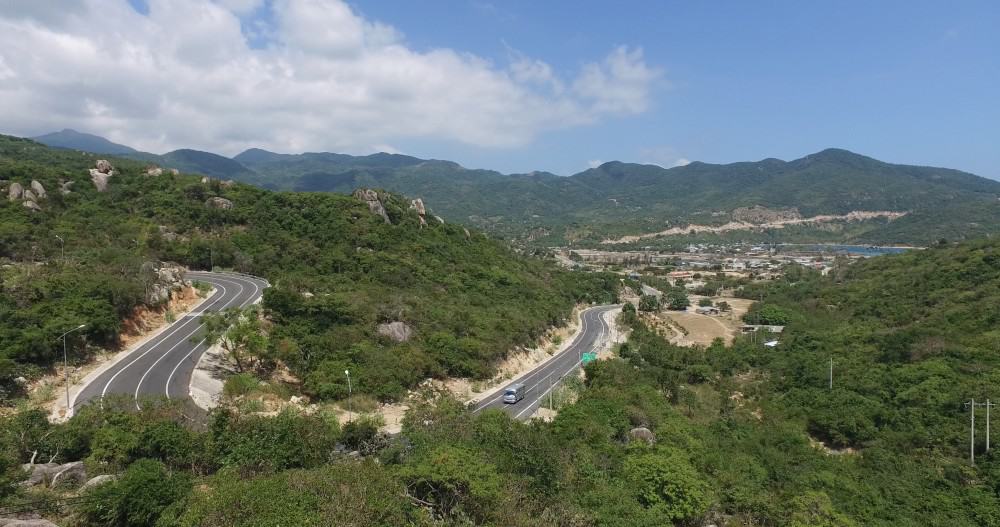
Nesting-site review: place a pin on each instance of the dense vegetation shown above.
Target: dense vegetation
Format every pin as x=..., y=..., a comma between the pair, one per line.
x=618, y=198
x=737, y=430
x=744, y=434
x=337, y=272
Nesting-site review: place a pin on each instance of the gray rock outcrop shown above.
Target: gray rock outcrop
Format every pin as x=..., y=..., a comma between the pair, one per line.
x=104, y=166
x=100, y=179
x=374, y=202
x=154, y=171
x=15, y=191
x=167, y=279
x=32, y=206
x=216, y=202
x=396, y=331
x=418, y=205
x=641, y=434
x=98, y=480
x=40, y=473
x=64, y=187
x=30, y=196
x=38, y=189
x=74, y=474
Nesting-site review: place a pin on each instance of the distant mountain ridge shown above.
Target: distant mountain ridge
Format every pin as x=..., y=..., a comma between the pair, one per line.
x=69, y=138
x=619, y=199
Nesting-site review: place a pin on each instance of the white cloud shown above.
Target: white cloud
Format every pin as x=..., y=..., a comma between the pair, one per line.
x=327, y=79
x=665, y=156
x=594, y=163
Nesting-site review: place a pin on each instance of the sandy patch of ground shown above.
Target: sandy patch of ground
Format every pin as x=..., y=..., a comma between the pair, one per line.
x=857, y=215
x=688, y=328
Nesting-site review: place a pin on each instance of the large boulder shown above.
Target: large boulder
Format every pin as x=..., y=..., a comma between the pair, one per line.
x=30, y=196
x=396, y=331
x=73, y=473
x=64, y=187
x=39, y=474
x=418, y=205
x=374, y=202
x=154, y=171
x=641, y=434
x=38, y=189
x=100, y=179
x=15, y=192
x=98, y=480
x=104, y=166
x=216, y=202
x=32, y=206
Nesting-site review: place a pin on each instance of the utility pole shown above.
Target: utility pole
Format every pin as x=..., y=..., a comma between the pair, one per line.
x=66, y=363
x=988, y=405
x=971, y=405
x=350, y=411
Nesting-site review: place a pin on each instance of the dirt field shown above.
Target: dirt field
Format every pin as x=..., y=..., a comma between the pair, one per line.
x=703, y=329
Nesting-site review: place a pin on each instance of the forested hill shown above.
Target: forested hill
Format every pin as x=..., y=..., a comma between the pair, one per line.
x=338, y=268
x=625, y=199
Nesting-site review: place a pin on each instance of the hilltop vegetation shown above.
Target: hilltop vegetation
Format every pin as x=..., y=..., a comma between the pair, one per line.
x=338, y=271
x=618, y=199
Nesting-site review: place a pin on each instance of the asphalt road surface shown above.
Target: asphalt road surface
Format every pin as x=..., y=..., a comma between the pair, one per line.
x=163, y=365
x=544, y=377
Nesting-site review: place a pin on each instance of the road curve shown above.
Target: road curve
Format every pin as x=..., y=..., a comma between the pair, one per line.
x=541, y=379
x=162, y=366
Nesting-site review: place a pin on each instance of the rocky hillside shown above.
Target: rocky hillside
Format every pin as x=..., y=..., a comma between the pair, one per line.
x=78, y=233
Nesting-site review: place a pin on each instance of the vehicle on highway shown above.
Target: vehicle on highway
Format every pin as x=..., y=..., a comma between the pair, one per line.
x=514, y=393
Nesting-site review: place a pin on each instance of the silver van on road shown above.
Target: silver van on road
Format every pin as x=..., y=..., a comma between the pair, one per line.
x=514, y=393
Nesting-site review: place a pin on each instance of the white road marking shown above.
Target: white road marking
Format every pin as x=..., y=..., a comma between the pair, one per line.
x=153, y=346
x=142, y=379
x=579, y=336
x=166, y=388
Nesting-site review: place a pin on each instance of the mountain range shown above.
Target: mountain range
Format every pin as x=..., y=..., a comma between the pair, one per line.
x=830, y=196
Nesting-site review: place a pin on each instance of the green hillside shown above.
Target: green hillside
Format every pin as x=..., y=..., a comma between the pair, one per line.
x=338, y=271
x=619, y=199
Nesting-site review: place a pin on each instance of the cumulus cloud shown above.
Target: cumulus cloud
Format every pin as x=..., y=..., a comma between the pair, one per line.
x=186, y=74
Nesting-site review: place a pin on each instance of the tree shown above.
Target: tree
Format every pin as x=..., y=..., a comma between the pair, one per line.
x=705, y=302
x=239, y=333
x=724, y=306
x=138, y=498
x=649, y=303
x=678, y=300
x=666, y=483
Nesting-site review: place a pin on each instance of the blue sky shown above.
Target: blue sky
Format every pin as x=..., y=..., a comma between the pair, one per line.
x=908, y=82
x=516, y=85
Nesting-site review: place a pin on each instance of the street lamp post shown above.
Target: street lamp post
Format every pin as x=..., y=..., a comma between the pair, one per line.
x=62, y=248
x=350, y=411
x=66, y=362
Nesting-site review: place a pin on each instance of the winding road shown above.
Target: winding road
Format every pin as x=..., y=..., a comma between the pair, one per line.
x=162, y=366
x=545, y=377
